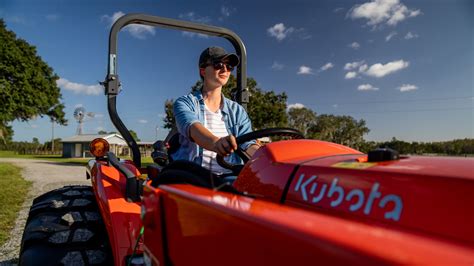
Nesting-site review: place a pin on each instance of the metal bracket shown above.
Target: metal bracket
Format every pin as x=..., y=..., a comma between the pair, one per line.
x=112, y=84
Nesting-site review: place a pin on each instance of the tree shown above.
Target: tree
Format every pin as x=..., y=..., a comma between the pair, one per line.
x=102, y=132
x=27, y=84
x=401, y=146
x=57, y=144
x=36, y=144
x=6, y=133
x=301, y=118
x=344, y=130
x=134, y=135
x=265, y=108
x=169, y=119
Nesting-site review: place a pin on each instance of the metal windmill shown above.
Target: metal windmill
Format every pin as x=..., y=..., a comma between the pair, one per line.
x=80, y=114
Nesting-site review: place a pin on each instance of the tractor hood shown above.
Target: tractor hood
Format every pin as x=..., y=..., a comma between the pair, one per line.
x=429, y=195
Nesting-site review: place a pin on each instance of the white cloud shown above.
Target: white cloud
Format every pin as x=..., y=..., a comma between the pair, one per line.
x=337, y=10
x=350, y=75
x=411, y=36
x=78, y=88
x=377, y=12
x=52, y=17
x=353, y=68
x=143, y=121
x=277, y=66
x=279, y=31
x=78, y=105
x=226, y=12
x=136, y=30
x=192, y=16
x=407, y=87
x=303, y=34
x=353, y=65
x=354, y=45
x=304, y=70
x=414, y=13
x=192, y=34
x=363, y=68
x=140, y=31
x=295, y=106
x=390, y=36
x=367, y=87
x=379, y=70
x=335, y=106
x=327, y=66
x=376, y=70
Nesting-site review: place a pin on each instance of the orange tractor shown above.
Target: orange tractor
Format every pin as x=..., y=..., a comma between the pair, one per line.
x=294, y=202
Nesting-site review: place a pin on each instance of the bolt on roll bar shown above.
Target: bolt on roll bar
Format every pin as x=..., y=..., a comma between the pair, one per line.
x=112, y=83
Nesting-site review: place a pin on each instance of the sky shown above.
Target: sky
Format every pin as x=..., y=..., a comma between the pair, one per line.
x=405, y=67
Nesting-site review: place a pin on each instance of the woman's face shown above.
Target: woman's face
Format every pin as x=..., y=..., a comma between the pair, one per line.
x=216, y=74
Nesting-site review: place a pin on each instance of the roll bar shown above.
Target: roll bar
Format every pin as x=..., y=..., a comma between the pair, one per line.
x=112, y=83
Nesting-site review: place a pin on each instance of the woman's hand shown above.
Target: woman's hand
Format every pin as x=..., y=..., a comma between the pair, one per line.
x=225, y=146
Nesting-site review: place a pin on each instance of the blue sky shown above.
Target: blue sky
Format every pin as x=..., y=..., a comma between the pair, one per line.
x=405, y=67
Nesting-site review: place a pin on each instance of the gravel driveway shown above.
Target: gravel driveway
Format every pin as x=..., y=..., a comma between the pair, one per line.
x=46, y=176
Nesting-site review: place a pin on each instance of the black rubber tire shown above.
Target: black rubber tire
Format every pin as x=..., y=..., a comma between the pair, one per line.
x=64, y=227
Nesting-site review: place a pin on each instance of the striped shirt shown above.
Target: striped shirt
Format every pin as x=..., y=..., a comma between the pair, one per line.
x=214, y=122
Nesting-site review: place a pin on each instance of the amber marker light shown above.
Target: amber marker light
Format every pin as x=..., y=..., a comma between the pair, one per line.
x=99, y=147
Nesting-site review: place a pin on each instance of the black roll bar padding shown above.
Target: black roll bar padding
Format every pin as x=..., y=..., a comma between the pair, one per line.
x=112, y=107
x=112, y=82
x=131, y=186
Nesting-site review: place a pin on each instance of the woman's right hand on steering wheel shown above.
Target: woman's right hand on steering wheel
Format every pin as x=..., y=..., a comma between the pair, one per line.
x=225, y=146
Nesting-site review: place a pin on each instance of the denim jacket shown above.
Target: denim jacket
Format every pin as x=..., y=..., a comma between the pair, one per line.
x=189, y=109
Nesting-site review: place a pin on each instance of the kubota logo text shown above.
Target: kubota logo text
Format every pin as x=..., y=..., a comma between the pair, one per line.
x=337, y=194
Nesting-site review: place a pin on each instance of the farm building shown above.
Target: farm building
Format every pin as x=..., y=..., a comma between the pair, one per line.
x=78, y=146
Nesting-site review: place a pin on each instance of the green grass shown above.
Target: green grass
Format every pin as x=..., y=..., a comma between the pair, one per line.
x=13, y=190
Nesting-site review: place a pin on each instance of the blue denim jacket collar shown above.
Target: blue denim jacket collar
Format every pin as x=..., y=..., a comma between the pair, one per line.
x=225, y=107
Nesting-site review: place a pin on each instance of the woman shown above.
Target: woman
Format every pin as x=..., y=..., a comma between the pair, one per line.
x=207, y=121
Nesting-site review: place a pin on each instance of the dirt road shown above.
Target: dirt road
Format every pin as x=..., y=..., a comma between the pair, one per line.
x=45, y=175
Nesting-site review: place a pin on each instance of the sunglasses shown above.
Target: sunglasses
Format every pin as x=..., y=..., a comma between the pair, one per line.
x=220, y=65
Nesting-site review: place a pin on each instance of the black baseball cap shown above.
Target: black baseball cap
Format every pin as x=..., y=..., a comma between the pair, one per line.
x=216, y=53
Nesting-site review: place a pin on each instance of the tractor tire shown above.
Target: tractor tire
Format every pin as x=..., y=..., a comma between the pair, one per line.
x=64, y=227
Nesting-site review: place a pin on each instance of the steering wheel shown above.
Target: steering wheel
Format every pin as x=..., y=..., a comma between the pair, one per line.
x=268, y=132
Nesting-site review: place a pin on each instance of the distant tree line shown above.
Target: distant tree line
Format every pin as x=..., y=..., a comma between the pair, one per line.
x=457, y=147
x=33, y=147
